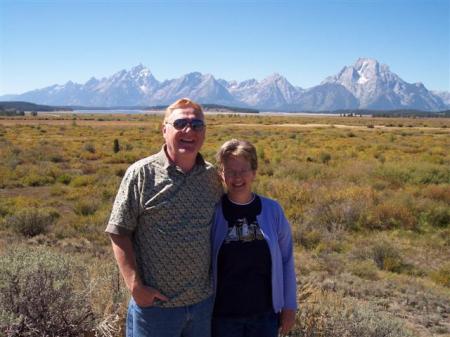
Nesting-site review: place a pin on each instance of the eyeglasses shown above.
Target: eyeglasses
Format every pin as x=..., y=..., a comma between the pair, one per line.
x=233, y=174
x=195, y=124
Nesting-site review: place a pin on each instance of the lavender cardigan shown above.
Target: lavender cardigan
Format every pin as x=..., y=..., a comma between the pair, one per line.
x=277, y=232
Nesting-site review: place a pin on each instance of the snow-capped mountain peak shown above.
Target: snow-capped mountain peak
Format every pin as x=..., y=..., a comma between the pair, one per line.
x=365, y=63
x=274, y=77
x=376, y=87
x=141, y=72
x=137, y=69
x=364, y=84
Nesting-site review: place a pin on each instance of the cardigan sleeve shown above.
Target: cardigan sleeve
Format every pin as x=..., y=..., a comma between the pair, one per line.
x=287, y=255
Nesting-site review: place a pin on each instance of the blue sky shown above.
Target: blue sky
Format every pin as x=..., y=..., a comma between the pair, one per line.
x=51, y=42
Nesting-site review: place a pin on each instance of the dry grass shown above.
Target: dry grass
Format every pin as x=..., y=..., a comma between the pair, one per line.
x=369, y=207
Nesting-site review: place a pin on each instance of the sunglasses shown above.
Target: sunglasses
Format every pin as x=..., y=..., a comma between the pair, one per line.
x=195, y=124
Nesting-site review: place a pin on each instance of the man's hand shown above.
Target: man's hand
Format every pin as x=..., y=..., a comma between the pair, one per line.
x=124, y=253
x=145, y=296
x=287, y=320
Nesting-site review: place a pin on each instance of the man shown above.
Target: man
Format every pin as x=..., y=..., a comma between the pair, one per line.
x=160, y=227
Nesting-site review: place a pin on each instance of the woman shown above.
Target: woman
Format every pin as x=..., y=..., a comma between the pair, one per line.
x=252, y=254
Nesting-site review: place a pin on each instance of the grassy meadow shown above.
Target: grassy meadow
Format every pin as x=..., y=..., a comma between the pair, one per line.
x=368, y=200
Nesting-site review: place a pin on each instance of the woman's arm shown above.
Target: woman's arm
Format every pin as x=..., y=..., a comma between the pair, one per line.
x=285, y=242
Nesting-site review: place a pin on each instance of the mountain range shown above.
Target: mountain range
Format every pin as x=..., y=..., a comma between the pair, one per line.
x=366, y=84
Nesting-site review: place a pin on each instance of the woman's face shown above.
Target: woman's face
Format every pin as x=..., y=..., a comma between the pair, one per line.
x=238, y=176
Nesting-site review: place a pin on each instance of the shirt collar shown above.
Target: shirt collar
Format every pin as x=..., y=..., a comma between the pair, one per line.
x=165, y=162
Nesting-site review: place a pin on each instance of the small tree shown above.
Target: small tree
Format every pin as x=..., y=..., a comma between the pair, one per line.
x=116, y=147
x=325, y=157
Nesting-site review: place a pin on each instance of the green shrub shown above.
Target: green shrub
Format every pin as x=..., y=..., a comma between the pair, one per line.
x=56, y=158
x=389, y=215
x=387, y=257
x=38, y=296
x=330, y=316
x=437, y=192
x=366, y=269
x=80, y=181
x=36, y=179
x=442, y=276
x=380, y=157
x=87, y=168
x=335, y=213
x=426, y=173
x=308, y=238
x=394, y=174
x=439, y=216
x=89, y=147
x=107, y=195
x=64, y=179
x=120, y=172
x=85, y=207
x=5, y=207
x=324, y=157
x=31, y=222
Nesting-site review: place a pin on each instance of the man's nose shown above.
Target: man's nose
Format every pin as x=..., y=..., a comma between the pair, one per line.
x=187, y=128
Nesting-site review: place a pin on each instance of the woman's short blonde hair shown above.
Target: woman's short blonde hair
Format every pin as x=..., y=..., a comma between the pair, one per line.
x=184, y=103
x=237, y=148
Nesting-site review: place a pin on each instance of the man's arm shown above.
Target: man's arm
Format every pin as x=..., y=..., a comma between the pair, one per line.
x=144, y=296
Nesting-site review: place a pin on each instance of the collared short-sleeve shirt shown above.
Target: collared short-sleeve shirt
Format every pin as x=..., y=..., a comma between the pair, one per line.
x=168, y=215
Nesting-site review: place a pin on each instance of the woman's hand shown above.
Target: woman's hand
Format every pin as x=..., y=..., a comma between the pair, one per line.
x=287, y=320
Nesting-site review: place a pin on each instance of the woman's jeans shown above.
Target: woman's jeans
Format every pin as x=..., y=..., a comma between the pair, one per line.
x=263, y=325
x=188, y=321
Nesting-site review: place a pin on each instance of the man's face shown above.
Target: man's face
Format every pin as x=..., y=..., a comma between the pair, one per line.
x=186, y=142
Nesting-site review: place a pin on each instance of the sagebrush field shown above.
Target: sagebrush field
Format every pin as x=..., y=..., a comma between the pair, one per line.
x=368, y=200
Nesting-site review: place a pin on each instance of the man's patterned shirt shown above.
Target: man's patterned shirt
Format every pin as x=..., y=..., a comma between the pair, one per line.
x=168, y=214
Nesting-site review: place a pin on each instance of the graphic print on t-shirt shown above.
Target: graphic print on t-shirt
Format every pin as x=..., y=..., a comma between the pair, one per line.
x=241, y=230
x=244, y=263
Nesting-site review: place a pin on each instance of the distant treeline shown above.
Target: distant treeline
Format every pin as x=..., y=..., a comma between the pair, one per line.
x=393, y=113
x=228, y=108
x=105, y=108
x=11, y=112
x=19, y=108
x=206, y=107
x=209, y=107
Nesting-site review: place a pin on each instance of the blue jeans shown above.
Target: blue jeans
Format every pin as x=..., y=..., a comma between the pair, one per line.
x=188, y=321
x=263, y=325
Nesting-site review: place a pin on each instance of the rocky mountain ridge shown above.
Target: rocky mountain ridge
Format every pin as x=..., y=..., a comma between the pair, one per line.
x=366, y=84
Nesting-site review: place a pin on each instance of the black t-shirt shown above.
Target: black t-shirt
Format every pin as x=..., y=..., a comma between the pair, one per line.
x=244, y=264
